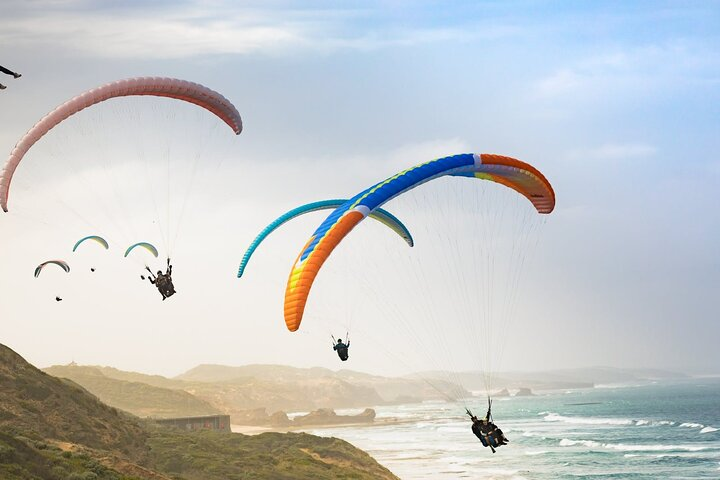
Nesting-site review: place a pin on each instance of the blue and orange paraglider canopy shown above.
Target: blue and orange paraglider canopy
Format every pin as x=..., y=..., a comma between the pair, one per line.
x=510, y=172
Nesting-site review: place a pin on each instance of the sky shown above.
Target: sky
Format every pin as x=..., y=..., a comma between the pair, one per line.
x=617, y=103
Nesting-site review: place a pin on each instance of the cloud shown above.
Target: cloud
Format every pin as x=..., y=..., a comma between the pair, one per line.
x=188, y=29
x=613, y=151
x=134, y=35
x=641, y=68
x=559, y=82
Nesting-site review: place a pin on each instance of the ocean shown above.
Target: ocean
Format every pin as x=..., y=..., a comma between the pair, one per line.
x=659, y=430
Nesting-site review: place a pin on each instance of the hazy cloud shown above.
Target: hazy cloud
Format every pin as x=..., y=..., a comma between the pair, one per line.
x=613, y=151
x=186, y=29
x=647, y=66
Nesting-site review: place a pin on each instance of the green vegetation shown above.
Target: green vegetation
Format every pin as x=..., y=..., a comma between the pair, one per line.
x=24, y=459
x=53, y=429
x=267, y=456
x=134, y=396
x=211, y=389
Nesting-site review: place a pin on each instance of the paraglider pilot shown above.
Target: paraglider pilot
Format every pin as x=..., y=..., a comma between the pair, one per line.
x=342, y=348
x=8, y=72
x=163, y=281
x=488, y=433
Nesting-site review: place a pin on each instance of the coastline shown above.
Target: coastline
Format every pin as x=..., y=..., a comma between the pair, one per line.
x=257, y=430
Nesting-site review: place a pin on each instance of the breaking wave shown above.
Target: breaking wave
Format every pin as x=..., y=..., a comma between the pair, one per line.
x=630, y=448
x=555, y=417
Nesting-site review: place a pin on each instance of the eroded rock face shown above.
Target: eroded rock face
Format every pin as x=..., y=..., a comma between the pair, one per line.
x=327, y=416
x=279, y=419
x=255, y=416
x=524, y=392
x=502, y=393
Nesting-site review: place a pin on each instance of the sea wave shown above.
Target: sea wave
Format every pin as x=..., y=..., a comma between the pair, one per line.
x=630, y=448
x=654, y=423
x=554, y=417
x=585, y=443
x=538, y=452
x=708, y=430
x=682, y=455
x=692, y=425
x=653, y=448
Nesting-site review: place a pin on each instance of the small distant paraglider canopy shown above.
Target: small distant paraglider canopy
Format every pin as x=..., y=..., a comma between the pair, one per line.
x=144, y=245
x=60, y=263
x=94, y=238
x=382, y=216
x=149, y=86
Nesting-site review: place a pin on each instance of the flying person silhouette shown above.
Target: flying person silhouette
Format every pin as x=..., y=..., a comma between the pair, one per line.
x=8, y=72
x=342, y=348
x=488, y=433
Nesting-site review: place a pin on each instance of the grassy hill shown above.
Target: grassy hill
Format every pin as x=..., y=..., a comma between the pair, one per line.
x=308, y=394
x=280, y=387
x=42, y=406
x=53, y=429
x=225, y=392
x=277, y=456
x=222, y=373
x=154, y=380
x=133, y=395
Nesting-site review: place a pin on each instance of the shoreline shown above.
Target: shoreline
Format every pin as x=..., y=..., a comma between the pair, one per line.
x=258, y=429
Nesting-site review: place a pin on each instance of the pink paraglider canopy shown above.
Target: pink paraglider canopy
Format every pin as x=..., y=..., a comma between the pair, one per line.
x=153, y=86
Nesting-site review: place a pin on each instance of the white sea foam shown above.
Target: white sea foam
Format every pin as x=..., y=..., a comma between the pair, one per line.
x=538, y=452
x=455, y=429
x=692, y=425
x=640, y=423
x=653, y=448
x=554, y=417
x=504, y=472
x=666, y=455
x=630, y=448
x=585, y=443
x=708, y=430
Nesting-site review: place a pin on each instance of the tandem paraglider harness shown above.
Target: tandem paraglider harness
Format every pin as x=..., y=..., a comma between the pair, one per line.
x=488, y=433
